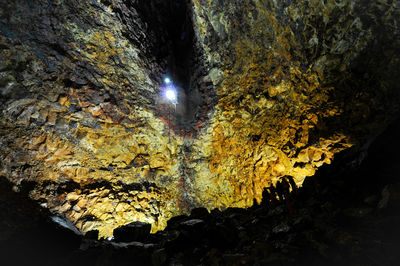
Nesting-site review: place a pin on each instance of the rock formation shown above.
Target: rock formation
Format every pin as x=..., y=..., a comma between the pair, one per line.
x=268, y=89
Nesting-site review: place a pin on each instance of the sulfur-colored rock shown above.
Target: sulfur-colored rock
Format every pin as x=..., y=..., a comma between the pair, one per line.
x=284, y=85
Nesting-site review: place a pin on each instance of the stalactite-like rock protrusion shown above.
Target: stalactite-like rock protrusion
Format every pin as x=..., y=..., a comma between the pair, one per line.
x=273, y=89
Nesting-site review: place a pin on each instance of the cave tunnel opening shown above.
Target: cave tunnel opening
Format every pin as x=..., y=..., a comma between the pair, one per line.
x=175, y=48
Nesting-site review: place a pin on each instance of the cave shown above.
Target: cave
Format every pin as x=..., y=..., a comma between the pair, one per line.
x=276, y=144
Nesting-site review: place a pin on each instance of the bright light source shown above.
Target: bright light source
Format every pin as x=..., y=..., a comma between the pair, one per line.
x=168, y=91
x=171, y=95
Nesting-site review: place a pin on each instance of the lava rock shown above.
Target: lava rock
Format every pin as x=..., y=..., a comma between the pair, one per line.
x=390, y=197
x=136, y=231
x=93, y=234
x=159, y=257
x=281, y=228
x=199, y=213
x=174, y=222
x=194, y=223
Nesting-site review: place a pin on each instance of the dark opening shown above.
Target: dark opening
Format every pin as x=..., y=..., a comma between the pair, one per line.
x=182, y=64
x=180, y=30
x=173, y=45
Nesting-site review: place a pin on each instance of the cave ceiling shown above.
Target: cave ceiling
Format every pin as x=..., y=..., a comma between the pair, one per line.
x=266, y=90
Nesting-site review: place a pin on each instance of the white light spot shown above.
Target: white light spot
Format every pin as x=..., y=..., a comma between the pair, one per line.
x=167, y=81
x=171, y=95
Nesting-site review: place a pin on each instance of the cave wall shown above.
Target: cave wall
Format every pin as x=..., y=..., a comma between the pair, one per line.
x=285, y=85
x=79, y=83
x=297, y=81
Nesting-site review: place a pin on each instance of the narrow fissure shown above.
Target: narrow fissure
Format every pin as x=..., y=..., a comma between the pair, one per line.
x=174, y=47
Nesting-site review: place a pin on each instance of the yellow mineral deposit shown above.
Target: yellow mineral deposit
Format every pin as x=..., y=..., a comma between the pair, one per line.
x=114, y=165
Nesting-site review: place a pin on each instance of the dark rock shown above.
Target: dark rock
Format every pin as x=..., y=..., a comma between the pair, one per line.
x=390, y=196
x=371, y=200
x=235, y=259
x=357, y=212
x=199, y=213
x=221, y=236
x=159, y=257
x=194, y=223
x=174, y=222
x=190, y=233
x=94, y=234
x=136, y=231
x=281, y=228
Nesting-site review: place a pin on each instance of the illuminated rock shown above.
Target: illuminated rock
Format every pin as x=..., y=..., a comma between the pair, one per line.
x=293, y=84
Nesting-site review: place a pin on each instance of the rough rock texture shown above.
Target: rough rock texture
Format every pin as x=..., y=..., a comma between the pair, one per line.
x=298, y=81
x=340, y=216
x=284, y=86
x=77, y=97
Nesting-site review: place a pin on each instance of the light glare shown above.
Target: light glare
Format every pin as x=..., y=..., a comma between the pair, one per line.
x=171, y=95
x=167, y=81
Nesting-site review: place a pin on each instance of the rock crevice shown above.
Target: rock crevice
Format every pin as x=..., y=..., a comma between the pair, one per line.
x=273, y=89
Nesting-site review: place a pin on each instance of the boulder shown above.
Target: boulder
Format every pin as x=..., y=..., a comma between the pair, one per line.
x=136, y=231
x=390, y=197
